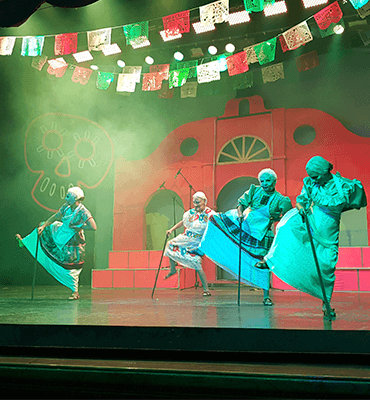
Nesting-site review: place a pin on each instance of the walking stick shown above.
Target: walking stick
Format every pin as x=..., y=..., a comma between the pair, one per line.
x=159, y=267
x=326, y=302
x=240, y=259
x=35, y=266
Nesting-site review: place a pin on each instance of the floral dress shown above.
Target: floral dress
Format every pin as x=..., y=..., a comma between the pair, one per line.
x=183, y=249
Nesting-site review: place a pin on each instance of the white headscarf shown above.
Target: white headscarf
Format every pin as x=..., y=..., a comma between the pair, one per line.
x=267, y=171
x=200, y=195
x=77, y=192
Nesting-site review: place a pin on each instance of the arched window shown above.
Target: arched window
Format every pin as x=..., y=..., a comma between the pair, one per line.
x=244, y=149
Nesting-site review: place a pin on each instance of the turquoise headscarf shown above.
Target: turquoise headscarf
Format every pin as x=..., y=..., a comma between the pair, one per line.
x=318, y=165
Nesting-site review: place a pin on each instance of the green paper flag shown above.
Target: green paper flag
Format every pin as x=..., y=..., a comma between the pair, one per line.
x=257, y=5
x=265, y=51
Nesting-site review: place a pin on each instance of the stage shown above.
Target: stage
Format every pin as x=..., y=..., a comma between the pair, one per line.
x=182, y=308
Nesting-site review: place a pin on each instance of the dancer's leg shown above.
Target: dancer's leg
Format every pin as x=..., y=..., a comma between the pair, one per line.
x=203, y=279
x=172, y=269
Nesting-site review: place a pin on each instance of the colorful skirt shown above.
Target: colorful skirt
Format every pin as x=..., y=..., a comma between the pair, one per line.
x=220, y=243
x=291, y=257
x=55, y=261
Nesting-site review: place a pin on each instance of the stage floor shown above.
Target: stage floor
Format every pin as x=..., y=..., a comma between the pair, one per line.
x=181, y=308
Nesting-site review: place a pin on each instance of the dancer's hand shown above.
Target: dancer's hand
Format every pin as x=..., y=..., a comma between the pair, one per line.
x=168, y=233
x=40, y=229
x=302, y=213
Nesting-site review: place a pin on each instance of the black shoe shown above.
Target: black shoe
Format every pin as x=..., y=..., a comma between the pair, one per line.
x=262, y=265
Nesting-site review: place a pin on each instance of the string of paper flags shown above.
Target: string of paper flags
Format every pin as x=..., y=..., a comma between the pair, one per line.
x=329, y=21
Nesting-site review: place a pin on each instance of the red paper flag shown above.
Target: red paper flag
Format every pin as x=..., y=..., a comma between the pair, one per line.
x=164, y=69
x=65, y=44
x=58, y=72
x=307, y=61
x=237, y=63
x=284, y=45
x=328, y=15
x=81, y=75
x=165, y=92
x=152, y=81
x=179, y=22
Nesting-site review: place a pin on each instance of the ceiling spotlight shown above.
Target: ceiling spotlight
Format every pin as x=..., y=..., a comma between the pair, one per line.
x=94, y=67
x=121, y=63
x=178, y=56
x=338, y=29
x=149, y=60
x=212, y=50
x=229, y=47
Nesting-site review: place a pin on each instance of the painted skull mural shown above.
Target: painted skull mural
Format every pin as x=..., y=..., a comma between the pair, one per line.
x=65, y=151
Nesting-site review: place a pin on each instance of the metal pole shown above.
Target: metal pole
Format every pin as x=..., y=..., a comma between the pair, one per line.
x=240, y=260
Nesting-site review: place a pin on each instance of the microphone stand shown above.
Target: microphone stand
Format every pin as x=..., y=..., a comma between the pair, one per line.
x=196, y=284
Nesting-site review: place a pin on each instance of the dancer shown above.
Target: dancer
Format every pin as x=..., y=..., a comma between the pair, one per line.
x=183, y=249
x=62, y=244
x=258, y=208
x=323, y=198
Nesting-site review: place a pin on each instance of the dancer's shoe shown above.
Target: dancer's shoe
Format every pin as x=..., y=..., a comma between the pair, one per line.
x=207, y=293
x=261, y=265
x=325, y=311
x=267, y=302
x=169, y=275
x=18, y=238
x=74, y=296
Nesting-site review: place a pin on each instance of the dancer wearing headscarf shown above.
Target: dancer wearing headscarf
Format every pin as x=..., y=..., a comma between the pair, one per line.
x=183, y=249
x=61, y=248
x=258, y=208
x=323, y=198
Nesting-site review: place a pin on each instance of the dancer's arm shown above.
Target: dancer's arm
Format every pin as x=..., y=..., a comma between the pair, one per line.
x=177, y=226
x=48, y=222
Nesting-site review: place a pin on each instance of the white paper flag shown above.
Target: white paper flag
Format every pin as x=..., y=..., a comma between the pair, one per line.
x=98, y=39
x=126, y=83
x=298, y=35
x=7, y=45
x=214, y=13
x=208, y=72
x=273, y=73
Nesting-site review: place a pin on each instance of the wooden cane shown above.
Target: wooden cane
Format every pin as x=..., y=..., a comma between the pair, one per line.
x=35, y=265
x=159, y=267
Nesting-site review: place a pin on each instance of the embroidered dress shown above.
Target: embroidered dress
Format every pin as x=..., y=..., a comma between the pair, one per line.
x=61, y=249
x=220, y=242
x=183, y=249
x=291, y=254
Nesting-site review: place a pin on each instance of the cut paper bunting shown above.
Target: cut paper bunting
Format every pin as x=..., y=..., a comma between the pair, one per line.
x=365, y=37
x=364, y=11
x=81, y=75
x=165, y=92
x=257, y=5
x=136, y=34
x=284, y=46
x=273, y=73
x=56, y=63
x=110, y=49
x=32, y=46
x=330, y=30
x=168, y=35
x=208, y=72
x=38, y=62
x=237, y=63
x=65, y=44
x=126, y=83
x=83, y=56
x=104, y=80
x=307, y=61
x=358, y=3
x=214, y=13
x=177, y=23
x=192, y=65
x=178, y=78
x=221, y=59
x=98, y=39
x=265, y=51
x=243, y=81
x=136, y=71
x=189, y=90
x=7, y=45
x=152, y=81
x=57, y=72
x=328, y=15
x=163, y=68
x=298, y=35
x=251, y=54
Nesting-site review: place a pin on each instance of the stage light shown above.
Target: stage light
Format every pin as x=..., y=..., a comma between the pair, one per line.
x=212, y=50
x=239, y=17
x=338, y=29
x=279, y=7
x=149, y=60
x=201, y=28
x=178, y=56
x=313, y=3
x=229, y=47
x=94, y=67
x=121, y=63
